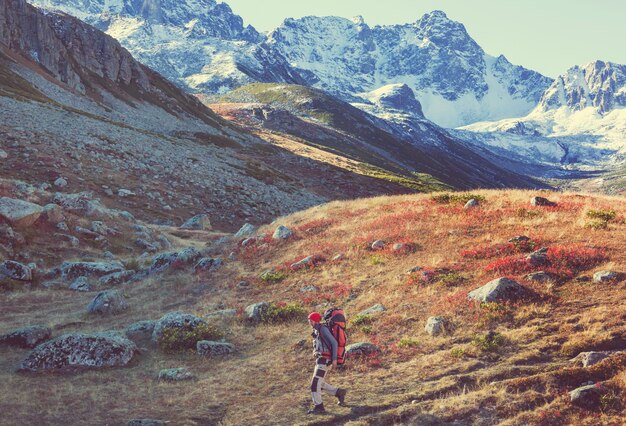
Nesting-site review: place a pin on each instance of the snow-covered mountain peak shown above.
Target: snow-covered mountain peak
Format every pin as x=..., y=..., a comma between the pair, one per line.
x=598, y=84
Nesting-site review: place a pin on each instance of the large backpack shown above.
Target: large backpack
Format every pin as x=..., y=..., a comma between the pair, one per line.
x=335, y=320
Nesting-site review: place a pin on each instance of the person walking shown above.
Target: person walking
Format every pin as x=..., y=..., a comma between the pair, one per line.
x=325, y=351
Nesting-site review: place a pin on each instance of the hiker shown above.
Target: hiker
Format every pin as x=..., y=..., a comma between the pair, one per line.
x=325, y=351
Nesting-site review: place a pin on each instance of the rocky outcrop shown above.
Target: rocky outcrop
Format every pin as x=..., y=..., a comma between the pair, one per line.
x=79, y=350
x=175, y=320
x=141, y=331
x=361, y=349
x=254, y=313
x=282, y=233
x=72, y=270
x=108, y=302
x=200, y=222
x=435, y=326
x=210, y=349
x=18, y=213
x=501, y=289
x=15, y=271
x=175, y=375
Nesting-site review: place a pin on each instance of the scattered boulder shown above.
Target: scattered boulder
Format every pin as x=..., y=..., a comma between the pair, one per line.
x=146, y=245
x=248, y=242
x=435, y=326
x=338, y=257
x=175, y=375
x=3, y=154
x=208, y=264
x=498, y=290
x=27, y=337
x=307, y=262
x=378, y=245
x=246, y=230
x=519, y=239
x=361, y=349
x=541, y=201
x=141, y=331
x=414, y=269
x=539, y=257
x=605, y=276
x=177, y=320
x=81, y=284
x=60, y=183
x=587, y=396
x=254, y=313
x=125, y=193
x=19, y=213
x=282, y=233
x=72, y=270
x=81, y=203
x=107, y=303
x=540, y=277
x=373, y=310
x=472, y=203
x=188, y=255
x=398, y=247
x=15, y=271
x=587, y=359
x=117, y=278
x=164, y=261
x=199, y=222
x=309, y=289
x=53, y=213
x=210, y=349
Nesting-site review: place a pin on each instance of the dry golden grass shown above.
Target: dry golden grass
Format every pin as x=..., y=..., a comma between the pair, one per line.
x=439, y=380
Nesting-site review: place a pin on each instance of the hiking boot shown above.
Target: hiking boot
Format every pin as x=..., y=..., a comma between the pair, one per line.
x=341, y=396
x=318, y=409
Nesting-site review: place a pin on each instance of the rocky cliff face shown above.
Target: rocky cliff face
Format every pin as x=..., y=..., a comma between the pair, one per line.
x=599, y=84
x=201, y=45
x=88, y=61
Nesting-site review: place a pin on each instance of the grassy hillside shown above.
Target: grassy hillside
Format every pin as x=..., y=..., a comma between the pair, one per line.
x=519, y=377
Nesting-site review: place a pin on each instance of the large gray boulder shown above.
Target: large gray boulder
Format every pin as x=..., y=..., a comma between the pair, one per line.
x=605, y=276
x=109, y=302
x=15, y=271
x=587, y=359
x=18, y=213
x=164, y=261
x=282, y=233
x=361, y=349
x=175, y=375
x=209, y=349
x=500, y=289
x=435, y=326
x=254, y=313
x=199, y=222
x=587, y=396
x=541, y=201
x=78, y=350
x=73, y=270
x=246, y=230
x=27, y=337
x=373, y=310
x=175, y=320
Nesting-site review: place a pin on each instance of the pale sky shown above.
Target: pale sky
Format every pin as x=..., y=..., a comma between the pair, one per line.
x=548, y=36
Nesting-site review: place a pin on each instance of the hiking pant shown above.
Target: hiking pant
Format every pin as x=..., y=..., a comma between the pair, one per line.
x=318, y=384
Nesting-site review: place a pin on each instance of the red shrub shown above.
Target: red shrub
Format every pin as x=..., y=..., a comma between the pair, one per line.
x=315, y=227
x=495, y=250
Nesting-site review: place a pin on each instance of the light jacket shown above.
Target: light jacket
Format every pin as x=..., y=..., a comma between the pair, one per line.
x=324, y=342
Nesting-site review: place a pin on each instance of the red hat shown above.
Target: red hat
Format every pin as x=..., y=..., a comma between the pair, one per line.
x=315, y=316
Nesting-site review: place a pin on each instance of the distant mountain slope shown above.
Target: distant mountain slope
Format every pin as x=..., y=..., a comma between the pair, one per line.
x=406, y=146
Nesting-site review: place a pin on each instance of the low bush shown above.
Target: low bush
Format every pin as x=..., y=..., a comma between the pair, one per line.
x=273, y=276
x=281, y=312
x=178, y=339
x=596, y=224
x=361, y=319
x=489, y=342
x=605, y=215
x=457, y=352
x=408, y=342
x=523, y=213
